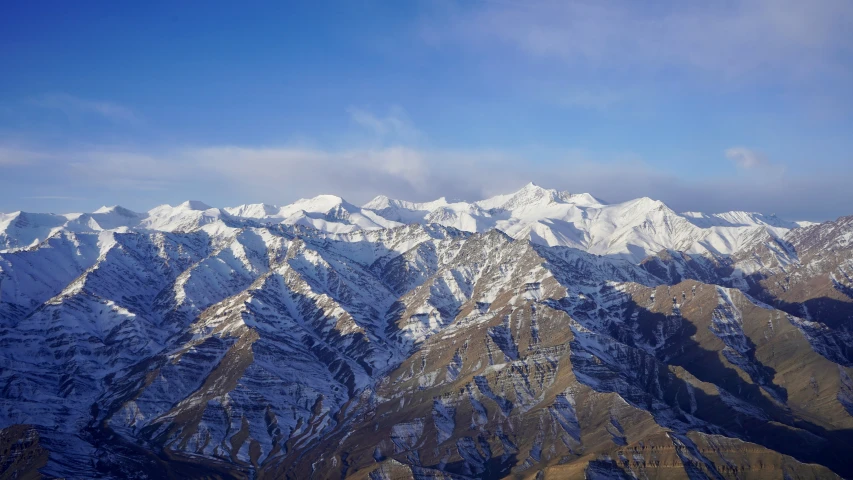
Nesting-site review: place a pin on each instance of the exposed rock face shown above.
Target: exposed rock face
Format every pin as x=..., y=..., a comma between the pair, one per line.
x=233, y=349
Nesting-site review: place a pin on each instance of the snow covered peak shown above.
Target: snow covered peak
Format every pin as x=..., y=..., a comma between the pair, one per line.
x=318, y=204
x=737, y=219
x=109, y=218
x=253, y=210
x=194, y=205
x=585, y=199
x=631, y=229
x=330, y=213
x=531, y=187
x=22, y=229
x=186, y=217
x=531, y=195
x=378, y=203
x=382, y=202
x=116, y=210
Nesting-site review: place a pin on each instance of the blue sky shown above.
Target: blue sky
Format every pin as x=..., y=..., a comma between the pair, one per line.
x=705, y=105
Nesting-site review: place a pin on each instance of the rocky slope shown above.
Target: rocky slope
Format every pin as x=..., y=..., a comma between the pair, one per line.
x=531, y=335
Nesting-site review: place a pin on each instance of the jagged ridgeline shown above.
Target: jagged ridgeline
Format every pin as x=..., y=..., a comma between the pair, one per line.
x=536, y=335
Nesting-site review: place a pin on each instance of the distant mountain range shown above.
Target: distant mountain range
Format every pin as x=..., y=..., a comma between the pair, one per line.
x=534, y=335
x=633, y=229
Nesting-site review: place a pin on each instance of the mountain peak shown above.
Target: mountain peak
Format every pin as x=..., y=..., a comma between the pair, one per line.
x=326, y=201
x=584, y=199
x=118, y=209
x=309, y=302
x=378, y=203
x=318, y=204
x=253, y=210
x=532, y=187
x=194, y=205
x=532, y=194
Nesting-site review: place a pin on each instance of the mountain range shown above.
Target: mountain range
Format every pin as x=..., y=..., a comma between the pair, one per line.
x=534, y=335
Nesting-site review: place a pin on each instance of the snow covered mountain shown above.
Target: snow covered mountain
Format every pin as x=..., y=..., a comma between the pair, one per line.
x=539, y=334
x=631, y=230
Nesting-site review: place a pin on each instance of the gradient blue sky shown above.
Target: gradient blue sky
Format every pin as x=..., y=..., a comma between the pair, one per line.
x=705, y=105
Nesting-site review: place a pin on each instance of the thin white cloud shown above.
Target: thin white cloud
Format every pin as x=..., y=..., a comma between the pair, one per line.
x=747, y=158
x=71, y=105
x=282, y=174
x=11, y=155
x=129, y=170
x=395, y=125
x=732, y=39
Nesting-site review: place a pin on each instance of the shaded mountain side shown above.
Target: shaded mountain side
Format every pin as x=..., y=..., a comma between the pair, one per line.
x=561, y=394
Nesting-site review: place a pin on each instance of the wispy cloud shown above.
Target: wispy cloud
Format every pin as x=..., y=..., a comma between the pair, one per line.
x=356, y=173
x=280, y=174
x=123, y=168
x=12, y=155
x=731, y=39
x=394, y=125
x=71, y=105
x=749, y=159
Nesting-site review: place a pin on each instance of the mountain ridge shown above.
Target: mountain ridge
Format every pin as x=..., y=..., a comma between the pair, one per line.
x=210, y=344
x=546, y=216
